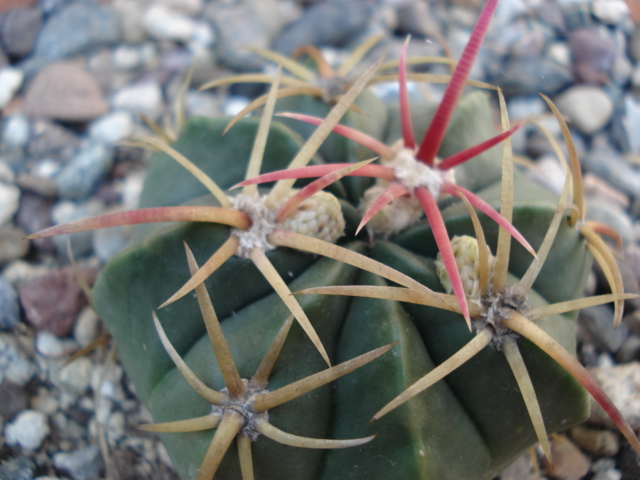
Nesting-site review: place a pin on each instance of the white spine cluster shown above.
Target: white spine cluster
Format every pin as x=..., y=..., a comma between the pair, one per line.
x=319, y=216
x=262, y=224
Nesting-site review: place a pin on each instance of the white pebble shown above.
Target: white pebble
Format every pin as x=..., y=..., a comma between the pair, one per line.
x=145, y=97
x=14, y=362
x=74, y=377
x=86, y=327
x=16, y=131
x=610, y=11
x=6, y=172
x=10, y=81
x=166, y=24
x=9, y=199
x=28, y=430
x=112, y=128
x=50, y=346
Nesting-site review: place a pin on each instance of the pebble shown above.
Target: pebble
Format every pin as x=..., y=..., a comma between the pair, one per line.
x=15, y=364
x=81, y=175
x=13, y=399
x=622, y=384
x=526, y=76
x=77, y=28
x=610, y=11
x=597, y=323
x=65, y=91
x=10, y=81
x=630, y=124
x=569, y=463
x=9, y=201
x=164, y=23
x=602, y=443
x=630, y=350
x=144, y=97
x=416, y=18
x=12, y=243
x=45, y=402
x=51, y=140
x=130, y=14
x=82, y=464
x=16, y=131
x=20, y=468
x=604, y=469
x=18, y=30
x=74, y=377
x=588, y=107
x=593, y=54
x=109, y=241
x=9, y=307
x=521, y=469
x=87, y=327
x=28, y=430
x=608, y=213
x=254, y=23
x=67, y=211
x=613, y=169
x=112, y=128
x=51, y=302
x=50, y=346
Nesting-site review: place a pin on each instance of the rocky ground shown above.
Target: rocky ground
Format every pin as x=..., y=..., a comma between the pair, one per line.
x=75, y=76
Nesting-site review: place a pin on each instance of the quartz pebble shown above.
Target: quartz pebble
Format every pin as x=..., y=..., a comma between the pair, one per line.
x=82, y=464
x=622, y=384
x=15, y=362
x=28, y=430
x=10, y=81
x=588, y=107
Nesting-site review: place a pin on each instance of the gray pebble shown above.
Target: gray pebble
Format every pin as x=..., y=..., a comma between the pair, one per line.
x=77, y=28
x=67, y=211
x=28, y=430
x=111, y=128
x=630, y=350
x=325, y=23
x=15, y=132
x=18, y=30
x=9, y=201
x=145, y=97
x=80, y=176
x=526, y=76
x=615, y=170
x=597, y=322
x=15, y=364
x=51, y=140
x=608, y=213
x=588, y=107
x=9, y=307
x=82, y=464
x=20, y=468
x=73, y=378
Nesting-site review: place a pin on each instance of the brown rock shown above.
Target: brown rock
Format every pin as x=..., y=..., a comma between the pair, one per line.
x=6, y=5
x=569, y=462
x=19, y=29
x=599, y=442
x=52, y=301
x=65, y=91
x=12, y=243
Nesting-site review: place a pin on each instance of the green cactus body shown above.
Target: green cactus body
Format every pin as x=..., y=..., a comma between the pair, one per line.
x=458, y=429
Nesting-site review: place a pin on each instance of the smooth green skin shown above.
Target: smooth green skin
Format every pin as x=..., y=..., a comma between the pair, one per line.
x=493, y=400
x=142, y=277
x=336, y=148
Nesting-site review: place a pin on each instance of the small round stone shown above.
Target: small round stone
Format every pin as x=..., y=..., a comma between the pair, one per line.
x=28, y=430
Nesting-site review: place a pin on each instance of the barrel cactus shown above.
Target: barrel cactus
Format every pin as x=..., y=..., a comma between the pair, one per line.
x=428, y=292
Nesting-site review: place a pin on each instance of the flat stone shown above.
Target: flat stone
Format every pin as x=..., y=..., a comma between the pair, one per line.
x=593, y=54
x=622, y=384
x=608, y=165
x=51, y=302
x=112, y=128
x=599, y=442
x=9, y=201
x=20, y=468
x=81, y=175
x=10, y=81
x=13, y=399
x=568, y=461
x=65, y=91
x=28, y=430
x=51, y=140
x=15, y=364
x=77, y=28
x=82, y=464
x=19, y=29
x=9, y=307
x=588, y=107
x=12, y=244
x=597, y=322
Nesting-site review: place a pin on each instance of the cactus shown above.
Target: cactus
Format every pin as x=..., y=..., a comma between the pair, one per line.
x=352, y=301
